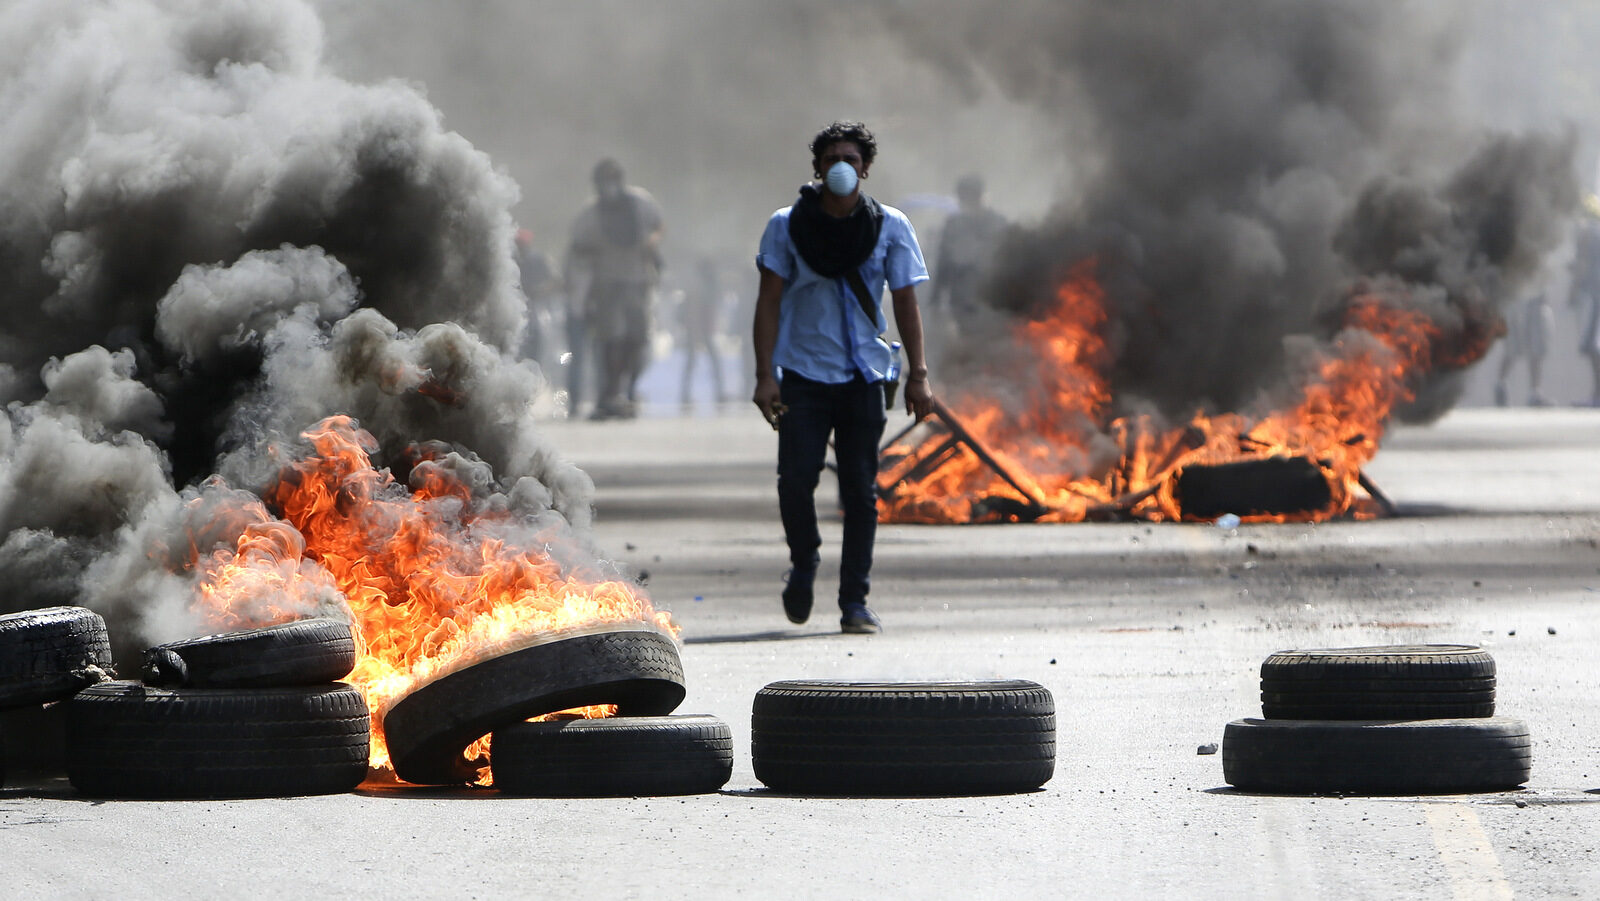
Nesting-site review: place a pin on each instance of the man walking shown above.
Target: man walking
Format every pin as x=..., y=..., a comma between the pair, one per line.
x=613, y=266
x=822, y=365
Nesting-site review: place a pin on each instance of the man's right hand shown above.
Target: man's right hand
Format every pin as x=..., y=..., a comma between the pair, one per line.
x=768, y=398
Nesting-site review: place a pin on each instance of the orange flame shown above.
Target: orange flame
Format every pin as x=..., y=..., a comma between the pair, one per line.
x=1073, y=463
x=431, y=584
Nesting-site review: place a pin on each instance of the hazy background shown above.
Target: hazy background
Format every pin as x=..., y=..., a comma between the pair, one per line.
x=709, y=105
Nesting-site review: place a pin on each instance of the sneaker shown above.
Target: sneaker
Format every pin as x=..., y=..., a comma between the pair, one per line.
x=858, y=619
x=797, y=594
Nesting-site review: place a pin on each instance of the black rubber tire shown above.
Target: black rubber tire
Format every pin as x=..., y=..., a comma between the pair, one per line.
x=1351, y=705
x=129, y=740
x=303, y=652
x=47, y=655
x=1379, y=758
x=427, y=730
x=1378, y=683
x=625, y=756
x=911, y=738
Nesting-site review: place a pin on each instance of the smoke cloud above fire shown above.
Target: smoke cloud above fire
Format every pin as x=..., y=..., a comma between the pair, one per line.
x=1249, y=169
x=209, y=243
x=1238, y=166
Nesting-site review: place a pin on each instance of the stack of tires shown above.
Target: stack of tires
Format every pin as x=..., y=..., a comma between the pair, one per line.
x=903, y=738
x=1398, y=719
x=47, y=655
x=253, y=713
x=640, y=752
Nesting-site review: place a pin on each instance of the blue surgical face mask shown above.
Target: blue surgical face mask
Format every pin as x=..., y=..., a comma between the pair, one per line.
x=842, y=179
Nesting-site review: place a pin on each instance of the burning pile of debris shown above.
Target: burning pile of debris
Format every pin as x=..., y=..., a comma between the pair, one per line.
x=257, y=333
x=1281, y=239
x=261, y=712
x=1303, y=462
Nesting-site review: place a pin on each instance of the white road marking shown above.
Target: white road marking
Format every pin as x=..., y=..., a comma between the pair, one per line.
x=1469, y=858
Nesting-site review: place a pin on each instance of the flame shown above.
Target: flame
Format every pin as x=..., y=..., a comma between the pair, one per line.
x=432, y=584
x=1070, y=461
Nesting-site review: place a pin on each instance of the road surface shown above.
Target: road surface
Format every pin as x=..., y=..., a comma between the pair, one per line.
x=1149, y=636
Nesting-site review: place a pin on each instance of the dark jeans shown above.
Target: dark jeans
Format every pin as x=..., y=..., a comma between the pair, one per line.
x=854, y=413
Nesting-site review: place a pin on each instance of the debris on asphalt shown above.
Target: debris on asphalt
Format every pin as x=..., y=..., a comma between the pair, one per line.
x=1207, y=748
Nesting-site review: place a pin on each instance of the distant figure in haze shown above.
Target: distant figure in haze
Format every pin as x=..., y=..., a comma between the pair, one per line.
x=700, y=316
x=965, y=248
x=542, y=287
x=613, y=267
x=1527, y=338
x=1585, y=296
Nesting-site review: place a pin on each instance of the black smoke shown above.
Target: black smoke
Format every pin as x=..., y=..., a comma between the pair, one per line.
x=1249, y=166
x=208, y=243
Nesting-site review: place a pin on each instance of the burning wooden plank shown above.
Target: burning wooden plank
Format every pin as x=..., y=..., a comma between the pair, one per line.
x=948, y=436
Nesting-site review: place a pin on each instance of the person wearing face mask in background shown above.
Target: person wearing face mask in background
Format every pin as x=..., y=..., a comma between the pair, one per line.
x=613, y=267
x=822, y=365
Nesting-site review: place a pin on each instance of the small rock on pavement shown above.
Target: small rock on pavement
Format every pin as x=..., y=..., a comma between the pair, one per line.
x=1550, y=629
x=1208, y=748
x=1520, y=803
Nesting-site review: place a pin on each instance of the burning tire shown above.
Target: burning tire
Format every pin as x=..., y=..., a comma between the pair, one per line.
x=1418, y=757
x=1397, y=682
x=428, y=729
x=622, y=756
x=914, y=738
x=304, y=652
x=46, y=655
x=128, y=740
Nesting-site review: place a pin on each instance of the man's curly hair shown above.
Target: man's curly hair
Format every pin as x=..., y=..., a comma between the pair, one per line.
x=843, y=131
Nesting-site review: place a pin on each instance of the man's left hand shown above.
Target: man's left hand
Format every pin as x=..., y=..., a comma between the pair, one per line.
x=919, y=399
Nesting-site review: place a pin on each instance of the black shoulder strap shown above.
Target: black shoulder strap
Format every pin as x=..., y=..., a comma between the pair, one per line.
x=863, y=296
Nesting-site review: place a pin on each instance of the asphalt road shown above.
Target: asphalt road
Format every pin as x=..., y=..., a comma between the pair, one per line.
x=1149, y=636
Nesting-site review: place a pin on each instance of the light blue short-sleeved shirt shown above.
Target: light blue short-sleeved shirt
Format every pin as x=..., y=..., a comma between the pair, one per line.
x=823, y=334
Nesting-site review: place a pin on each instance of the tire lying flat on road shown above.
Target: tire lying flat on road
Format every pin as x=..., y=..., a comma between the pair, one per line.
x=914, y=738
x=1401, y=758
x=48, y=654
x=128, y=740
x=1384, y=682
x=638, y=756
x=303, y=652
x=427, y=730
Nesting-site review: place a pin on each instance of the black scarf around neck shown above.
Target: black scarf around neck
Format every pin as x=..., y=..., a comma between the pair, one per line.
x=832, y=246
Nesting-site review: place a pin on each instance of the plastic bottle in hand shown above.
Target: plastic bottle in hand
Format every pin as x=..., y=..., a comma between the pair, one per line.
x=891, y=381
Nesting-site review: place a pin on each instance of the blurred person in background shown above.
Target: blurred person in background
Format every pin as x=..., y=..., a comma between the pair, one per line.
x=822, y=365
x=1585, y=294
x=1527, y=339
x=700, y=314
x=966, y=246
x=613, y=268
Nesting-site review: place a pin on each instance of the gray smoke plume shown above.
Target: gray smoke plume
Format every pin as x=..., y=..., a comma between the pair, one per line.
x=1251, y=167
x=208, y=243
x=1209, y=151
